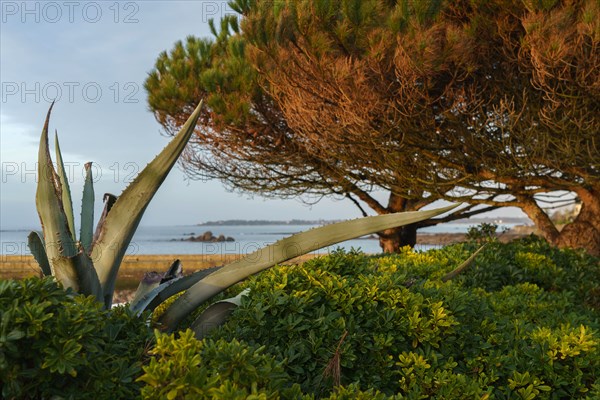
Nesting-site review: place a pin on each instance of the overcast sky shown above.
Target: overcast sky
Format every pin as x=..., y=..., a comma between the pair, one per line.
x=93, y=56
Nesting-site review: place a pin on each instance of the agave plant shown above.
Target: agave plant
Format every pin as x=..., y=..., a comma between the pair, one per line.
x=89, y=265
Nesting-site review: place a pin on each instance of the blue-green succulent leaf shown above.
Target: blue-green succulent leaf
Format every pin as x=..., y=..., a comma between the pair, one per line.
x=86, y=233
x=121, y=222
x=59, y=243
x=153, y=298
x=35, y=241
x=66, y=190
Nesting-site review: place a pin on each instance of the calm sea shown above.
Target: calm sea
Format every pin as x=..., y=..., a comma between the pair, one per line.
x=248, y=238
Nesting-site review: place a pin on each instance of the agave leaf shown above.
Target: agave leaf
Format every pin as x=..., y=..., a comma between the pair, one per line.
x=216, y=314
x=283, y=250
x=86, y=232
x=59, y=243
x=149, y=282
x=36, y=246
x=174, y=271
x=182, y=284
x=89, y=284
x=77, y=273
x=49, y=202
x=65, y=271
x=462, y=266
x=153, y=298
x=66, y=190
x=109, y=200
x=152, y=280
x=122, y=220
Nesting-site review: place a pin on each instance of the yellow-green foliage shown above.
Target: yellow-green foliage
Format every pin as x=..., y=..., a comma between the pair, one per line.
x=565, y=342
x=519, y=308
x=539, y=268
x=162, y=307
x=184, y=367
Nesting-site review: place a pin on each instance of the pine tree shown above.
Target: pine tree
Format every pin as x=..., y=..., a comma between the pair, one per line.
x=493, y=103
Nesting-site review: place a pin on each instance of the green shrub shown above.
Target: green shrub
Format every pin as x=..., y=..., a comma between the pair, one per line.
x=301, y=312
x=57, y=345
x=185, y=367
x=407, y=333
x=353, y=392
x=521, y=322
x=484, y=232
x=533, y=260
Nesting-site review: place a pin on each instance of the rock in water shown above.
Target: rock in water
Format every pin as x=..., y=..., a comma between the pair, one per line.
x=208, y=237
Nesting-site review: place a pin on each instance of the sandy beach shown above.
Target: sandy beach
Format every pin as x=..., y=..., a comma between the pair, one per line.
x=133, y=267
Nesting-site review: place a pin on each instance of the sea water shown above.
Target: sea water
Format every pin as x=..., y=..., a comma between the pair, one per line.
x=248, y=238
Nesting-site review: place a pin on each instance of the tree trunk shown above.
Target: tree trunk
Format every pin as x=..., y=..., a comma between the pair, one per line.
x=582, y=233
x=391, y=240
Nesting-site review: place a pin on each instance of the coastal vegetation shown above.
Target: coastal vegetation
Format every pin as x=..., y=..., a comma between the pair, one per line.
x=480, y=318
x=520, y=322
x=493, y=103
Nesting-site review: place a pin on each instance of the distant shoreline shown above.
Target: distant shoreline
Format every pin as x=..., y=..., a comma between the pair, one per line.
x=263, y=222
x=256, y=222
